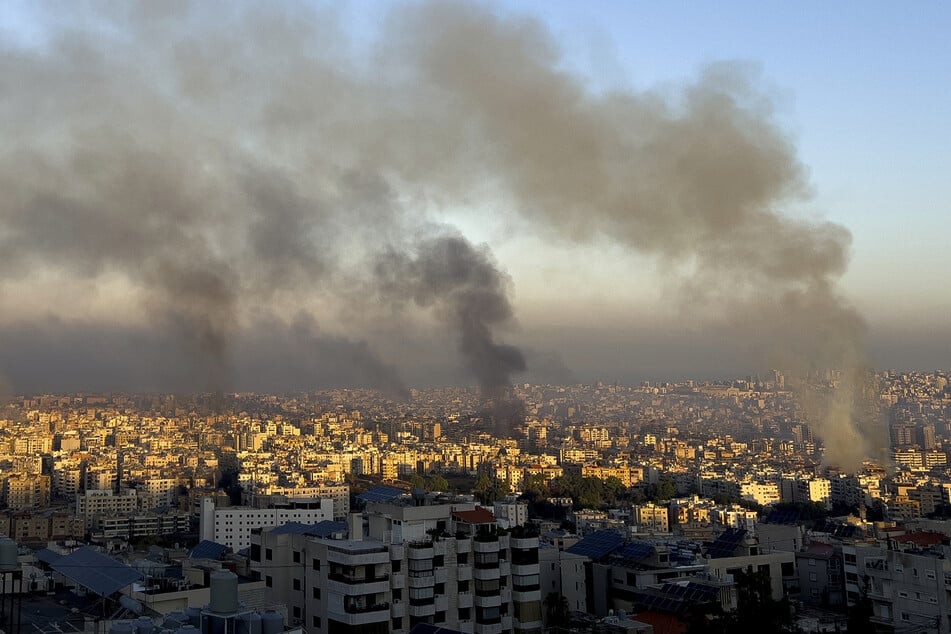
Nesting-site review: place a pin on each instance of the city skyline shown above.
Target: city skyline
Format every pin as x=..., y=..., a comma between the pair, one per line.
x=220, y=198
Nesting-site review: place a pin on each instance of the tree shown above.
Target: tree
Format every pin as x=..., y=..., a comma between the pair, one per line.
x=437, y=483
x=556, y=609
x=666, y=489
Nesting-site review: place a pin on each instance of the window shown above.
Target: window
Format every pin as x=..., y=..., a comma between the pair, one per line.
x=269, y=581
x=397, y=565
x=316, y=564
x=440, y=617
x=296, y=584
x=812, y=576
x=315, y=592
x=462, y=558
x=420, y=567
x=296, y=612
x=812, y=562
x=296, y=557
x=397, y=622
x=465, y=614
x=528, y=611
x=397, y=594
x=315, y=621
x=269, y=554
x=463, y=586
x=525, y=582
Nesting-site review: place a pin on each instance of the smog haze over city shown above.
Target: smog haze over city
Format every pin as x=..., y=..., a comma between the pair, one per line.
x=205, y=196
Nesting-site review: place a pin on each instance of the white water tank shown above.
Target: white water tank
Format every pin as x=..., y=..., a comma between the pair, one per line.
x=224, y=592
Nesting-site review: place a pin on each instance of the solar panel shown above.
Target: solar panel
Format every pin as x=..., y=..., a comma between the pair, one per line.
x=381, y=494
x=207, y=549
x=95, y=571
x=782, y=516
x=725, y=545
x=597, y=544
x=324, y=528
x=635, y=550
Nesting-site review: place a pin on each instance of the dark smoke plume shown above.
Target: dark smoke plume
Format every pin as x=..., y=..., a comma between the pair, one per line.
x=469, y=294
x=220, y=166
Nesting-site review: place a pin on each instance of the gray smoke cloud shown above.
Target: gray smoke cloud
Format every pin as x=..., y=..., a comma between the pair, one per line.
x=470, y=295
x=235, y=166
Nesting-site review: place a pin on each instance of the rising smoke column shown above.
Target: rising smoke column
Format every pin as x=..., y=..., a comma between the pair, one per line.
x=468, y=292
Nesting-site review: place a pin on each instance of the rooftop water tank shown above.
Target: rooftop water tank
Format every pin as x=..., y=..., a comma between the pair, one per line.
x=224, y=592
x=121, y=627
x=248, y=623
x=272, y=622
x=144, y=625
x=8, y=554
x=174, y=620
x=194, y=616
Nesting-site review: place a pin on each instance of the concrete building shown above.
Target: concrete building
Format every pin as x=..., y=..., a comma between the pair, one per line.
x=232, y=525
x=442, y=564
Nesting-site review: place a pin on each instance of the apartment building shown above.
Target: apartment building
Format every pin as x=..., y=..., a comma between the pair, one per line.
x=443, y=564
x=233, y=525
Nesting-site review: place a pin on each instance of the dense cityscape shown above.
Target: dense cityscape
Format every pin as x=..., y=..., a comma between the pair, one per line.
x=606, y=506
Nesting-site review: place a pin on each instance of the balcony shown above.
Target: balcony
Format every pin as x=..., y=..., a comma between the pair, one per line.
x=422, y=582
x=505, y=568
x=352, y=608
x=486, y=573
x=442, y=603
x=440, y=547
x=397, y=608
x=488, y=628
x=357, y=588
x=463, y=545
x=464, y=599
x=396, y=551
x=421, y=550
x=422, y=610
x=398, y=580
x=353, y=579
x=523, y=596
x=524, y=569
x=524, y=543
x=441, y=575
x=463, y=572
x=353, y=615
x=491, y=601
x=358, y=558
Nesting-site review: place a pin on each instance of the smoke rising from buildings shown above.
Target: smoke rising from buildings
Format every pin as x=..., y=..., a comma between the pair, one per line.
x=231, y=167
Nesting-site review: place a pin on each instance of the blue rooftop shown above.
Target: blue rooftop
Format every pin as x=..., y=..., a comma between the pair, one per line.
x=94, y=571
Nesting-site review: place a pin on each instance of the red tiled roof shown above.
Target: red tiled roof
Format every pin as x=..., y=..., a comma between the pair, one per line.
x=922, y=538
x=476, y=516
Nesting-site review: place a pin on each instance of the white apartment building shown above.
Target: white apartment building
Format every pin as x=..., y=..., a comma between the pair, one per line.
x=232, y=525
x=446, y=565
